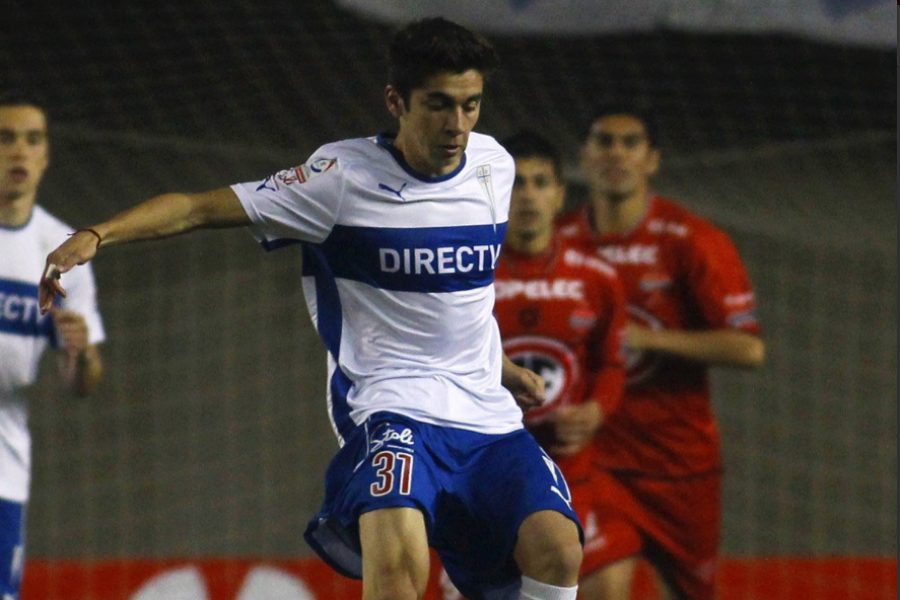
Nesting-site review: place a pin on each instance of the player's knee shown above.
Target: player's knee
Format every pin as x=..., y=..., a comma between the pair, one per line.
x=568, y=560
x=557, y=565
x=549, y=550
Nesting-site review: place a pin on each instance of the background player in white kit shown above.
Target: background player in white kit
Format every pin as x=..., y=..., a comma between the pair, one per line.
x=400, y=236
x=27, y=232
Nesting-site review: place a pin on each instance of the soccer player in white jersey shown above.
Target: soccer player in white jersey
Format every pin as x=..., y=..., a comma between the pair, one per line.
x=27, y=233
x=400, y=236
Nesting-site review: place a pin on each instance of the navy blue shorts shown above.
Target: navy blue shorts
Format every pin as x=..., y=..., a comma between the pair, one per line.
x=12, y=548
x=474, y=489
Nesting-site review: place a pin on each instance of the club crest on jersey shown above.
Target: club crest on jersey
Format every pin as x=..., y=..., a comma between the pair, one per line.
x=483, y=175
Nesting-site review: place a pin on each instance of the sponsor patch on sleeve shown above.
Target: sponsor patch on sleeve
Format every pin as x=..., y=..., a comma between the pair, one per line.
x=304, y=172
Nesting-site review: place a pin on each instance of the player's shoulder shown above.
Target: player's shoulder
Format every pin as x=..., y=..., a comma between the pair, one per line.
x=351, y=158
x=48, y=224
x=673, y=219
x=348, y=151
x=485, y=147
x=580, y=256
x=571, y=224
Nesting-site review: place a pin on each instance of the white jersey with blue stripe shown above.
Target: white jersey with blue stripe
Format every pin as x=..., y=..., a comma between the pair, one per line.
x=25, y=333
x=398, y=275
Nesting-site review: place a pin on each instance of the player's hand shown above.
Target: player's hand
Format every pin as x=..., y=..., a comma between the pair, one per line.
x=575, y=426
x=77, y=250
x=526, y=386
x=72, y=330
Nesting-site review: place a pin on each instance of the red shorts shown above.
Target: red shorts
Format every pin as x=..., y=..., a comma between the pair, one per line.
x=673, y=523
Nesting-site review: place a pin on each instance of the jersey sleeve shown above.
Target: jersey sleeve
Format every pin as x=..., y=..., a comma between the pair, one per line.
x=719, y=282
x=301, y=203
x=81, y=298
x=607, y=352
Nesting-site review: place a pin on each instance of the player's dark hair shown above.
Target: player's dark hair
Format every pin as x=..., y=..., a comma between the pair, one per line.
x=639, y=110
x=530, y=144
x=22, y=97
x=435, y=45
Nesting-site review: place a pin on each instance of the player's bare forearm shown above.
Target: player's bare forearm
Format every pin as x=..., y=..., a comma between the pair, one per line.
x=173, y=214
x=725, y=347
x=158, y=217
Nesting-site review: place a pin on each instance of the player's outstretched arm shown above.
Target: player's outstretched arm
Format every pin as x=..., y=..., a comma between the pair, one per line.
x=726, y=347
x=158, y=217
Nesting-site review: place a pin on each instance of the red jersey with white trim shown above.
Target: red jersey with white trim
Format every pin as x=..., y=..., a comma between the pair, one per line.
x=562, y=315
x=679, y=272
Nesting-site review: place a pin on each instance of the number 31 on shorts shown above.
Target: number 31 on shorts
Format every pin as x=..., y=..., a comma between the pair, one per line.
x=386, y=464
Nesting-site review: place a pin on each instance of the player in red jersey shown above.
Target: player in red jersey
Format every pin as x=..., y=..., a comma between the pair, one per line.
x=561, y=313
x=691, y=306
x=560, y=309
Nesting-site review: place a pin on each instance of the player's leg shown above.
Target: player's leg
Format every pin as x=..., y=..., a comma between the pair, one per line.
x=12, y=548
x=664, y=589
x=547, y=543
x=612, y=582
x=395, y=554
x=612, y=541
x=548, y=549
x=379, y=504
x=508, y=531
x=684, y=543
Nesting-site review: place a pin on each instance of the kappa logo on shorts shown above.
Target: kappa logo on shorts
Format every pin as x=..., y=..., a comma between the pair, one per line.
x=390, y=437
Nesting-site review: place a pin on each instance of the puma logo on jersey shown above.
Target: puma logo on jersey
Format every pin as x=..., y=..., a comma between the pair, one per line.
x=540, y=289
x=398, y=192
x=638, y=254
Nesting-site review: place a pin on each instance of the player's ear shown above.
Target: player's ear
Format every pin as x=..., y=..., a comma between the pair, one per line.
x=560, y=198
x=394, y=101
x=653, y=162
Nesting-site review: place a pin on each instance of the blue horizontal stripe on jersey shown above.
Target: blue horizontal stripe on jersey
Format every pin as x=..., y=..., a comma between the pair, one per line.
x=19, y=311
x=423, y=259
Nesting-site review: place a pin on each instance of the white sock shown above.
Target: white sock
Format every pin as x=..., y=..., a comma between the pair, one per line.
x=535, y=590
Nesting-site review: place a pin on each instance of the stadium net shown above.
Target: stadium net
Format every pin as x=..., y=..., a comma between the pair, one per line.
x=209, y=438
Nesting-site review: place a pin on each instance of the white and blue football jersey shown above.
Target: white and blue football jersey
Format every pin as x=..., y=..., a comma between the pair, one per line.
x=398, y=274
x=25, y=334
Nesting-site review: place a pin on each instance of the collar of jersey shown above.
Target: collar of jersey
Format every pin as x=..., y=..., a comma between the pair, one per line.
x=621, y=235
x=386, y=141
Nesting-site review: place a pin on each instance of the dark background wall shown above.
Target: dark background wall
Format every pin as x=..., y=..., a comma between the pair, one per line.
x=210, y=435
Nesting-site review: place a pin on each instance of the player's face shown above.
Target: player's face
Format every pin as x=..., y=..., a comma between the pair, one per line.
x=23, y=151
x=435, y=127
x=537, y=197
x=617, y=158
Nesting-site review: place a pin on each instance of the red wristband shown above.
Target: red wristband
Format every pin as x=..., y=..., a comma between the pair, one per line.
x=88, y=230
